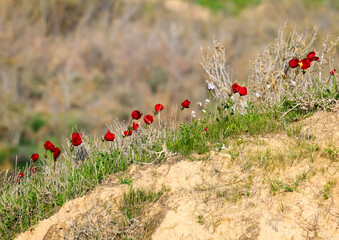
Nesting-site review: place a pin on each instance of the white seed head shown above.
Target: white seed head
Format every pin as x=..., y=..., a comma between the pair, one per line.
x=199, y=103
x=207, y=100
x=203, y=110
x=257, y=95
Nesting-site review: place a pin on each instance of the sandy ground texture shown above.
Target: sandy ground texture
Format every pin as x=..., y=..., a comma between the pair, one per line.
x=241, y=192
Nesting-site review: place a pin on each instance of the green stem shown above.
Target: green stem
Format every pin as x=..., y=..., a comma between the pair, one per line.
x=210, y=103
x=180, y=116
x=54, y=169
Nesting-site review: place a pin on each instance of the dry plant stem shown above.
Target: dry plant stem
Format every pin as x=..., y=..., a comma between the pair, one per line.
x=283, y=115
x=267, y=76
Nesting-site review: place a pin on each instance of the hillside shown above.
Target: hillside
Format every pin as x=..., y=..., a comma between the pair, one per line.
x=67, y=63
x=282, y=185
x=140, y=129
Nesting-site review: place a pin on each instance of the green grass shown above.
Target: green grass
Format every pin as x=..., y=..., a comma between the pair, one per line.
x=125, y=180
x=130, y=221
x=331, y=152
x=277, y=185
x=193, y=137
x=38, y=197
x=326, y=192
x=134, y=201
x=232, y=6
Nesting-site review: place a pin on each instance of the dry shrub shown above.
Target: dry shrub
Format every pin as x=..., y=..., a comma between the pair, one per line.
x=271, y=80
x=215, y=64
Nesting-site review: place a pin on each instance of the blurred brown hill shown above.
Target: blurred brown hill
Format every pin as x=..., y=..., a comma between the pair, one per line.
x=66, y=63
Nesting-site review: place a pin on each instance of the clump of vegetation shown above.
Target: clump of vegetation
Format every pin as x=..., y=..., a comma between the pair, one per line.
x=58, y=175
x=129, y=222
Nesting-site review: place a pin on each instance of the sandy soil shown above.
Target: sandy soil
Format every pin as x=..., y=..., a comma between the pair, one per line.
x=216, y=196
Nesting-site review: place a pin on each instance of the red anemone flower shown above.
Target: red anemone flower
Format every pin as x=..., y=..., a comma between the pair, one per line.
x=294, y=63
x=135, y=126
x=56, y=153
x=235, y=88
x=128, y=133
x=311, y=56
x=48, y=145
x=185, y=104
x=136, y=114
x=34, y=157
x=20, y=175
x=148, y=119
x=109, y=136
x=243, y=91
x=158, y=107
x=333, y=72
x=305, y=63
x=33, y=170
x=76, y=139
x=52, y=148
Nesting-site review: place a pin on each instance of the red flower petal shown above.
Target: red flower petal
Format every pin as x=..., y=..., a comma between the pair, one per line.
x=186, y=104
x=310, y=55
x=56, y=153
x=158, y=107
x=136, y=114
x=333, y=72
x=109, y=136
x=314, y=59
x=235, y=88
x=76, y=139
x=135, y=126
x=243, y=91
x=305, y=63
x=128, y=133
x=294, y=63
x=52, y=148
x=148, y=119
x=48, y=145
x=35, y=157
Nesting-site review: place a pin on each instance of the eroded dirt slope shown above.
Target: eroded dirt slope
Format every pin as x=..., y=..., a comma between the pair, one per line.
x=280, y=186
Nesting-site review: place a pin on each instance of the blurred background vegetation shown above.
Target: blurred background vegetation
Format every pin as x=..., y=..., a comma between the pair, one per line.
x=83, y=63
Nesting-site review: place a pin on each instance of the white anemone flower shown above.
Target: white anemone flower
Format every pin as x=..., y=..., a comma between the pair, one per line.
x=211, y=86
x=193, y=114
